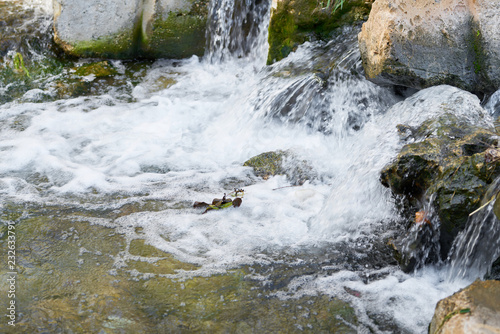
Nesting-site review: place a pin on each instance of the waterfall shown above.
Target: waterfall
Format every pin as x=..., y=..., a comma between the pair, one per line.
x=237, y=29
x=478, y=246
x=134, y=152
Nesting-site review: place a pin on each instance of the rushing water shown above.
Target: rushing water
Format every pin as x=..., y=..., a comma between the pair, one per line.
x=478, y=246
x=188, y=142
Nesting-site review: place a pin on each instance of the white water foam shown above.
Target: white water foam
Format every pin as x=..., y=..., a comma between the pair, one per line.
x=185, y=142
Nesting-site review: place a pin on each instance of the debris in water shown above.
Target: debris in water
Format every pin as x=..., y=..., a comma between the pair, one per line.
x=222, y=203
x=421, y=218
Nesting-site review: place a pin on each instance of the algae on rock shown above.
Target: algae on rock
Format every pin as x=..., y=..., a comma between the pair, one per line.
x=151, y=29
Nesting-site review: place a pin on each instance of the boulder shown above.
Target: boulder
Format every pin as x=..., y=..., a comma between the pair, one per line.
x=128, y=29
x=425, y=43
x=444, y=169
x=474, y=309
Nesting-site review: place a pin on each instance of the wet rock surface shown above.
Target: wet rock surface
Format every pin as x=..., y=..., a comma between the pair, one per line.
x=280, y=162
x=295, y=22
x=139, y=28
x=444, y=170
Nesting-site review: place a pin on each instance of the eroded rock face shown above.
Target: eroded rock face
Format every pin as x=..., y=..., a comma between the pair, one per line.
x=475, y=309
x=127, y=29
x=425, y=43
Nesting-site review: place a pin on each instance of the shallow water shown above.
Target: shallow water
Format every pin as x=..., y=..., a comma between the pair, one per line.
x=187, y=143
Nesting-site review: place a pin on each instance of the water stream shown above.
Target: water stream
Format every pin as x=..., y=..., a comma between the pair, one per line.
x=187, y=142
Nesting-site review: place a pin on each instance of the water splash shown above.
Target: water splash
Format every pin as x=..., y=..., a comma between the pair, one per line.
x=321, y=86
x=420, y=246
x=187, y=142
x=493, y=104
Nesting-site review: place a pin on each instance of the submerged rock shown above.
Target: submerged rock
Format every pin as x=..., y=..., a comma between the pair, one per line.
x=138, y=28
x=444, y=165
x=281, y=163
x=474, y=309
x=76, y=275
x=425, y=43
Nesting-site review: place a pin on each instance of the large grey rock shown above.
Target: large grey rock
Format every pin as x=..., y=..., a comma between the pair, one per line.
x=421, y=43
x=126, y=29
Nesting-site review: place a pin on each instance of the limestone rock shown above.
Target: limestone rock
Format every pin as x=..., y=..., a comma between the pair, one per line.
x=128, y=29
x=475, y=309
x=425, y=42
x=486, y=13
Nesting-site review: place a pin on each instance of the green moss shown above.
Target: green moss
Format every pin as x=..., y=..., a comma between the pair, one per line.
x=121, y=45
x=294, y=22
x=176, y=36
x=483, y=81
x=98, y=69
x=477, y=47
x=267, y=164
x=282, y=30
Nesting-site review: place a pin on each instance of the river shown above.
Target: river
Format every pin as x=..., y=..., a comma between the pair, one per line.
x=187, y=140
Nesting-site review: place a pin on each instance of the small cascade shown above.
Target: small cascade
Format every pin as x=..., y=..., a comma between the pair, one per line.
x=322, y=86
x=236, y=29
x=493, y=104
x=478, y=246
x=137, y=164
x=420, y=246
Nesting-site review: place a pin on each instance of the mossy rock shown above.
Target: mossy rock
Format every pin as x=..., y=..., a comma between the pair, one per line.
x=294, y=22
x=25, y=35
x=161, y=29
x=281, y=162
x=98, y=69
x=446, y=164
x=178, y=35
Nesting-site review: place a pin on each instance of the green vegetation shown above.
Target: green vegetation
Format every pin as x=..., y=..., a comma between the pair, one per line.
x=336, y=4
x=19, y=64
x=478, y=52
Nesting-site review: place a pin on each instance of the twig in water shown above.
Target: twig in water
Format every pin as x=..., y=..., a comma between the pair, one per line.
x=483, y=206
x=298, y=185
